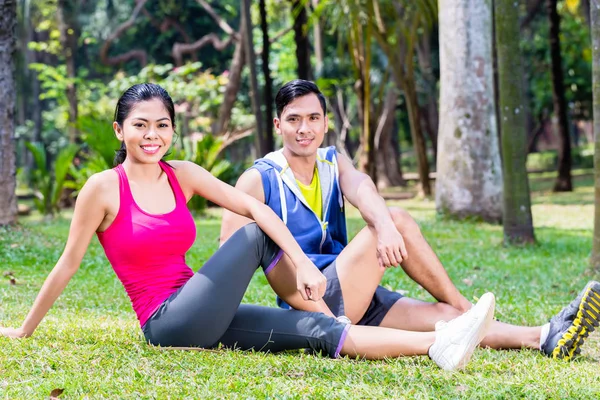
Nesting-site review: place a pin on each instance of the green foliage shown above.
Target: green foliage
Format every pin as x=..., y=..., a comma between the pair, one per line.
x=206, y=152
x=98, y=152
x=49, y=183
x=576, y=57
x=196, y=93
x=583, y=157
x=98, y=135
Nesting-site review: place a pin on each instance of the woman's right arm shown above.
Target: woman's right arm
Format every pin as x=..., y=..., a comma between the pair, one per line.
x=90, y=210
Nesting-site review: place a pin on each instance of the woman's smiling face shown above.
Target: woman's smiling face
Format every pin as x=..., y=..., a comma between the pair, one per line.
x=147, y=132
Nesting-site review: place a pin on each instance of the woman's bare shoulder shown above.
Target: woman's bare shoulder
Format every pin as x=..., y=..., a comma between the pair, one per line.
x=106, y=179
x=101, y=188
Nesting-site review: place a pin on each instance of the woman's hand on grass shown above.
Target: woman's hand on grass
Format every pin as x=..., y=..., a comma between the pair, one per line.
x=14, y=333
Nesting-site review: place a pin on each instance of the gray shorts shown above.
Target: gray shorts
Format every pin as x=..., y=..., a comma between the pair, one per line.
x=382, y=301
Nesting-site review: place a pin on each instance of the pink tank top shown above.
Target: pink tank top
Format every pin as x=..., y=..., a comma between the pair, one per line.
x=147, y=251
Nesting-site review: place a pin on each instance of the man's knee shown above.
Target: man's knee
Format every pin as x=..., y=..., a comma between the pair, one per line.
x=403, y=220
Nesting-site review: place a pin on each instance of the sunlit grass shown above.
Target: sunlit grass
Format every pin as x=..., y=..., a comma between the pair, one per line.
x=90, y=343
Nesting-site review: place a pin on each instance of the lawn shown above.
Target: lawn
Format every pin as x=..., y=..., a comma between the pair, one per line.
x=90, y=344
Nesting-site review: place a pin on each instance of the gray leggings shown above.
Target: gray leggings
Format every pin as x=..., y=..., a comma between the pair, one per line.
x=206, y=310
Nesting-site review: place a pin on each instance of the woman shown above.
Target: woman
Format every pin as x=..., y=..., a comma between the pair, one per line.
x=138, y=211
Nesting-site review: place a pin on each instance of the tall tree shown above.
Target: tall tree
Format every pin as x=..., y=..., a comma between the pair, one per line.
x=397, y=25
x=389, y=170
x=268, y=92
x=563, y=180
x=69, y=34
x=595, y=31
x=517, y=220
x=301, y=39
x=262, y=145
x=429, y=111
x=8, y=200
x=359, y=46
x=469, y=174
x=318, y=40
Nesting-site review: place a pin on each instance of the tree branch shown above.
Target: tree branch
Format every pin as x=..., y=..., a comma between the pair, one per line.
x=139, y=54
x=275, y=38
x=166, y=24
x=231, y=137
x=220, y=21
x=179, y=49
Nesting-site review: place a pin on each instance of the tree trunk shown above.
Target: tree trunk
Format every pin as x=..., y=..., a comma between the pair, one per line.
x=595, y=30
x=429, y=112
x=429, y=123
x=341, y=124
x=389, y=172
x=469, y=175
x=262, y=147
x=301, y=39
x=233, y=84
x=38, y=105
x=563, y=180
x=584, y=7
x=268, y=92
x=318, y=42
x=67, y=15
x=412, y=106
x=517, y=220
x=363, y=104
x=8, y=199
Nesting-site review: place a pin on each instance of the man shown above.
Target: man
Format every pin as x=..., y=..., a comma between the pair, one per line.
x=306, y=185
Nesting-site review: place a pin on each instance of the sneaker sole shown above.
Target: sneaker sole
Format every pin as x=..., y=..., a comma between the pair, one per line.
x=586, y=321
x=488, y=319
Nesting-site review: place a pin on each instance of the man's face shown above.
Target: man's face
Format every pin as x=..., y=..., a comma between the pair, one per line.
x=302, y=126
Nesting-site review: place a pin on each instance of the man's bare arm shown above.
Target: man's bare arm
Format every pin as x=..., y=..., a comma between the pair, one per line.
x=251, y=183
x=360, y=191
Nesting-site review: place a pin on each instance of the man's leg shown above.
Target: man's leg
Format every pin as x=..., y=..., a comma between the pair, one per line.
x=359, y=274
x=425, y=268
x=416, y=315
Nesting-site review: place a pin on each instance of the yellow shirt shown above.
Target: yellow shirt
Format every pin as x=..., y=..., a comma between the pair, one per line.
x=312, y=194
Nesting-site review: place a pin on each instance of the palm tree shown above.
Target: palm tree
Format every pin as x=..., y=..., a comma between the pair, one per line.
x=397, y=26
x=394, y=25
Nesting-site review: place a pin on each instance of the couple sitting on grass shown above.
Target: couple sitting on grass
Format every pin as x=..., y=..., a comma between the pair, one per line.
x=295, y=197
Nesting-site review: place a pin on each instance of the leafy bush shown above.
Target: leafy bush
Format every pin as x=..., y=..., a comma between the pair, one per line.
x=206, y=152
x=49, y=183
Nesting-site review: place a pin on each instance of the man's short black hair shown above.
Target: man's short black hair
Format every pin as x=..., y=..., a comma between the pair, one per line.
x=294, y=89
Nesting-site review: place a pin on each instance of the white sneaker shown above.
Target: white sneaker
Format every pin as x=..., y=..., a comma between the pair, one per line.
x=456, y=340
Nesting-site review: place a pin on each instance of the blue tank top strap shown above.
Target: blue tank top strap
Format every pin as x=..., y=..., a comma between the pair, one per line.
x=179, y=196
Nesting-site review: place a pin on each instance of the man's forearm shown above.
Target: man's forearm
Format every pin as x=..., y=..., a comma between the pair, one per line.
x=371, y=206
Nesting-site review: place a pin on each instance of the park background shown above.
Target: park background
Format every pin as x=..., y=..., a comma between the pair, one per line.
x=477, y=116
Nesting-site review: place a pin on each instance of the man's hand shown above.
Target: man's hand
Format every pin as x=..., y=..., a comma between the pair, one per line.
x=391, y=250
x=15, y=333
x=311, y=283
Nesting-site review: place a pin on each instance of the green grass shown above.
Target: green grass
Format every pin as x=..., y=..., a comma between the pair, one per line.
x=90, y=343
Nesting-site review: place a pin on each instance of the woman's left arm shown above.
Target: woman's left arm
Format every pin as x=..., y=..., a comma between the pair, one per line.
x=196, y=180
